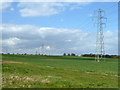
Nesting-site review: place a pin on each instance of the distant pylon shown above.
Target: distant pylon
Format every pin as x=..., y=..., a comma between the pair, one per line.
x=42, y=49
x=100, y=36
x=36, y=52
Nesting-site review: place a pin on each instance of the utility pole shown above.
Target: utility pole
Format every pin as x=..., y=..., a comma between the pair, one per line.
x=100, y=52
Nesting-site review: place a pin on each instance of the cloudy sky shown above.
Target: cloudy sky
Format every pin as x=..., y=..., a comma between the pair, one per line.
x=56, y=27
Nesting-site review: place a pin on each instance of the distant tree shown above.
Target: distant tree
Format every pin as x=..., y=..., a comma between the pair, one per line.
x=8, y=53
x=72, y=54
x=25, y=54
x=68, y=54
x=64, y=54
x=107, y=56
x=88, y=55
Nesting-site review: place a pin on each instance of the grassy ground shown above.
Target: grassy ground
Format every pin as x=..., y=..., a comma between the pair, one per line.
x=34, y=71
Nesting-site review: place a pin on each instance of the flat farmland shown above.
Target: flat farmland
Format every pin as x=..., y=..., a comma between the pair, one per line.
x=35, y=71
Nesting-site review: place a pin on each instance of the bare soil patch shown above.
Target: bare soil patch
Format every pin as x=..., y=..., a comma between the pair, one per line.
x=9, y=62
x=45, y=81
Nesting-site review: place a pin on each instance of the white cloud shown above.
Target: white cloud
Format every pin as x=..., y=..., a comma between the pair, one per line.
x=40, y=9
x=46, y=8
x=111, y=41
x=48, y=47
x=4, y=5
x=68, y=40
x=30, y=38
x=108, y=33
x=78, y=5
x=11, y=41
x=11, y=9
x=90, y=15
x=72, y=8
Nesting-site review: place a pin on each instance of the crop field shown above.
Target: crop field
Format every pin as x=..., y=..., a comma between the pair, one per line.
x=35, y=71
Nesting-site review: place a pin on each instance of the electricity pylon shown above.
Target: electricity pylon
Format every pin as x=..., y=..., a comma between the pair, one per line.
x=36, y=52
x=42, y=49
x=100, y=36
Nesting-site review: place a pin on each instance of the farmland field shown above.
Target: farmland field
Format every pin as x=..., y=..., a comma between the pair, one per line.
x=35, y=71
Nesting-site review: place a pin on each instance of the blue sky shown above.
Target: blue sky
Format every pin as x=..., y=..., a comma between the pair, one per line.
x=74, y=17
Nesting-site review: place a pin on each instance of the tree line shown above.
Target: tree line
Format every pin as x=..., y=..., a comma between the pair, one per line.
x=106, y=56
x=72, y=54
x=92, y=55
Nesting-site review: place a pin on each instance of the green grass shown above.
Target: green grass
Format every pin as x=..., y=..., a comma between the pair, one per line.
x=59, y=72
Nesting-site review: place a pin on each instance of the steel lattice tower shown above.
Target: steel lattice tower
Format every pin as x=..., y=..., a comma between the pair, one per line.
x=42, y=49
x=100, y=36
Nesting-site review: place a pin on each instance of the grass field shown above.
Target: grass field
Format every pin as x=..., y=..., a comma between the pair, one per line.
x=34, y=71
